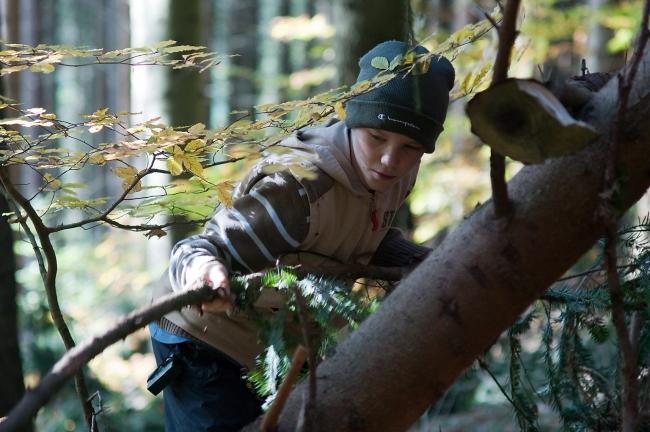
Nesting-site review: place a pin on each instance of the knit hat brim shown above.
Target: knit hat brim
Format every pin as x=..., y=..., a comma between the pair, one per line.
x=394, y=118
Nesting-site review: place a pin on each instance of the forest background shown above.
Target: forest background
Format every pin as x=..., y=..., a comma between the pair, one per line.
x=285, y=49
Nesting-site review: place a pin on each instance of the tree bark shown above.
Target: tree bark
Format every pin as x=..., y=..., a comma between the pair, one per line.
x=478, y=281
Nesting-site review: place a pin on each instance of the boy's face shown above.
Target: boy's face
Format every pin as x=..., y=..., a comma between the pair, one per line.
x=382, y=158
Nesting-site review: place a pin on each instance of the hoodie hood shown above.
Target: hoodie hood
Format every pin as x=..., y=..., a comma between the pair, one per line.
x=331, y=143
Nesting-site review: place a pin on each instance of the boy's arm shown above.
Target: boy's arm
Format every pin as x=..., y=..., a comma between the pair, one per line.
x=270, y=220
x=396, y=251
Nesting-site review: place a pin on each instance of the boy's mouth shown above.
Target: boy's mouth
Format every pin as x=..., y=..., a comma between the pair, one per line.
x=382, y=176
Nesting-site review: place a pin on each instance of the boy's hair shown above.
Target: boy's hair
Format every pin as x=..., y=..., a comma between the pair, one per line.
x=412, y=104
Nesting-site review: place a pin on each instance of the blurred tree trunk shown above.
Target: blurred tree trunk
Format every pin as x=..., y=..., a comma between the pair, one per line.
x=598, y=56
x=12, y=387
x=243, y=44
x=186, y=101
x=362, y=24
x=269, y=52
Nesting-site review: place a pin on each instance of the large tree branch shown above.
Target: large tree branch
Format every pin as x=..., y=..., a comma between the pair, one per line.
x=478, y=281
x=76, y=358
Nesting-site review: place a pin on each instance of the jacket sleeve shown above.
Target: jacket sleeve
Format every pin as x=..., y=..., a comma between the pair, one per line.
x=395, y=250
x=270, y=220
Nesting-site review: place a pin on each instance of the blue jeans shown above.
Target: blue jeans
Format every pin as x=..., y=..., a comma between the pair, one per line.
x=209, y=394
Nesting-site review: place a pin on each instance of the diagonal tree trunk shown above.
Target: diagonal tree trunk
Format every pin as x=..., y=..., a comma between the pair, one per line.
x=478, y=281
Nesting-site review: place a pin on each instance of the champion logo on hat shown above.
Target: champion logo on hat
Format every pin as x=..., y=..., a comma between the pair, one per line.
x=384, y=117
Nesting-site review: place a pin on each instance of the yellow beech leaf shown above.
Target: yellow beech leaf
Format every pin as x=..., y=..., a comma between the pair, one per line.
x=224, y=192
x=193, y=165
x=340, y=111
x=174, y=167
x=52, y=184
x=42, y=67
x=194, y=145
x=361, y=87
x=128, y=175
x=302, y=172
x=196, y=129
x=97, y=159
x=49, y=116
x=274, y=168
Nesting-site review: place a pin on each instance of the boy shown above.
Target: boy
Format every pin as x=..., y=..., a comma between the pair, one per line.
x=365, y=168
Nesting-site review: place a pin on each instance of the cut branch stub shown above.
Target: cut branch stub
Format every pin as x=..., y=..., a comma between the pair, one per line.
x=523, y=120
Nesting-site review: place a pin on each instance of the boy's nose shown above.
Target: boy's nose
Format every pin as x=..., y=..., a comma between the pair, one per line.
x=389, y=158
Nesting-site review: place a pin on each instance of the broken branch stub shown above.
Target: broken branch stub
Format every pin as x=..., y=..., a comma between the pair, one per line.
x=523, y=120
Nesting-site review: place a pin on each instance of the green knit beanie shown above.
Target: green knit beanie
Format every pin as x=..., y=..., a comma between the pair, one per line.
x=414, y=105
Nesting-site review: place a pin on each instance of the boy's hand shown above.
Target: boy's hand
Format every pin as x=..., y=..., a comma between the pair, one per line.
x=213, y=274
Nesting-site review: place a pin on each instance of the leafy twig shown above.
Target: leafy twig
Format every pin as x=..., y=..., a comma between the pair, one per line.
x=49, y=281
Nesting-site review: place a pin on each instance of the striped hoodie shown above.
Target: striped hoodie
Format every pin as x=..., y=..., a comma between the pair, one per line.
x=280, y=218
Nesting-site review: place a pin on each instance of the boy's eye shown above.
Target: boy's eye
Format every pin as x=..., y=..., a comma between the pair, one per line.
x=377, y=137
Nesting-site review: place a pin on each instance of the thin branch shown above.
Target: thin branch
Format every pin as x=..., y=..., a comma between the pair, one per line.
x=22, y=220
x=270, y=421
x=610, y=215
x=589, y=272
x=149, y=227
x=507, y=36
x=49, y=281
x=310, y=406
x=136, y=179
x=74, y=360
x=485, y=367
x=630, y=385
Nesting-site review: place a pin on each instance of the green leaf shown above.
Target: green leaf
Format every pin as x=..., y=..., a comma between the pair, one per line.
x=394, y=64
x=163, y=44
x=42, y=67
x=181, y=48
x=379, y=63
